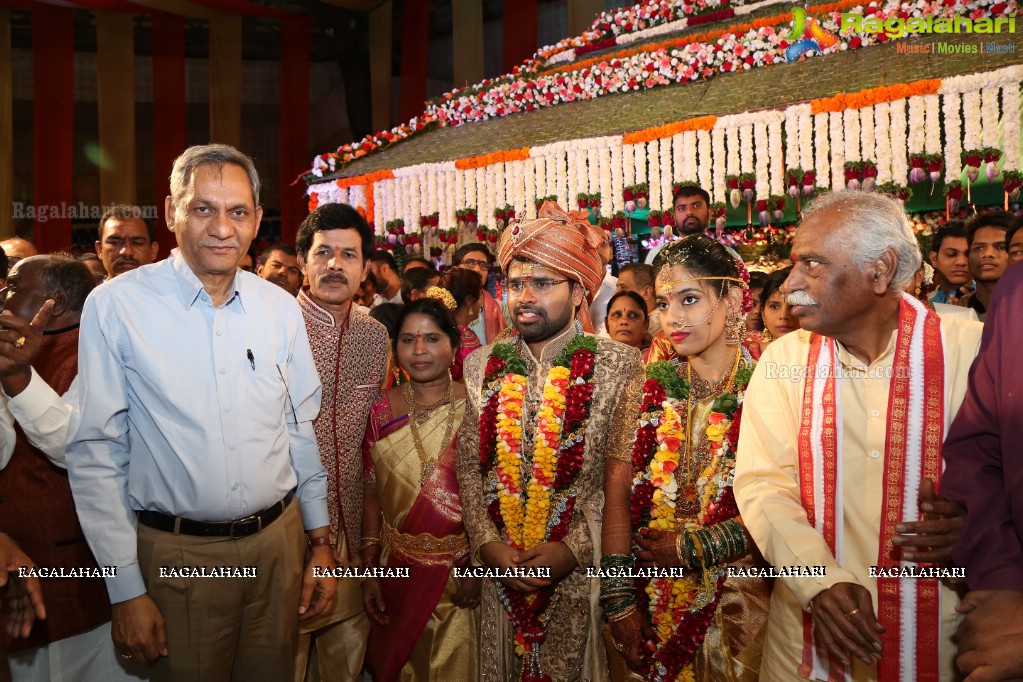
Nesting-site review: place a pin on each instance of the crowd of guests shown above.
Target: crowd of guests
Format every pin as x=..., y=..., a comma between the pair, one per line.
x=689, y=471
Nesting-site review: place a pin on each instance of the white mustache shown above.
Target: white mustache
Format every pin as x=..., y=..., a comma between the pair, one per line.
x=206, y=243
x=800, y=298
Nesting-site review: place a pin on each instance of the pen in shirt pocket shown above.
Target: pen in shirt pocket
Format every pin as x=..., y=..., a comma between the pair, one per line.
x=251, y=357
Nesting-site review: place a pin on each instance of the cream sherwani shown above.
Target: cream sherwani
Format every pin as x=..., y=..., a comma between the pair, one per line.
x=768, y=493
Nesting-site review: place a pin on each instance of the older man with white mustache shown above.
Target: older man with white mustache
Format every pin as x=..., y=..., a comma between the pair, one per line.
x=839, y=460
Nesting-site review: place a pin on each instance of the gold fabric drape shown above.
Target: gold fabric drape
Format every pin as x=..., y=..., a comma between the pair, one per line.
x=6, y=128
x=115, y=81
x=448, y=648
x=226, y=79
x=467, y=41
x=380, y=77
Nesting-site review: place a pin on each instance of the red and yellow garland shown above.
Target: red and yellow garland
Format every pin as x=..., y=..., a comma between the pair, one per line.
x=681, y=609
x=540, y=511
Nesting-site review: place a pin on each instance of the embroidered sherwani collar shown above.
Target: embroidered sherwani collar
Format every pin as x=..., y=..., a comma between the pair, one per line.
x=553, y=347
x=314, y=311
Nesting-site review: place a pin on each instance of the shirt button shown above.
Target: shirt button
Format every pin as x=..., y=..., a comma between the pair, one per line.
x=875, y=413
x=220, y=333
x=233, y=448
x=874, y=454
x=223, y=370
x=227, y=409
x=235, y=486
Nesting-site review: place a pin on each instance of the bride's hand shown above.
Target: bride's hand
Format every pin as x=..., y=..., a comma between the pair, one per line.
x=468, y=594
x=631, y=636
x=657, y=548
x=373, y=602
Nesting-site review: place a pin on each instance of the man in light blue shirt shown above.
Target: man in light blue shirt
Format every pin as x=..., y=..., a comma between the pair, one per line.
x=197, y=394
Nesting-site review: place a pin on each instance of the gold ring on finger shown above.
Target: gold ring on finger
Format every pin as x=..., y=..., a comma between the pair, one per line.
x=852, y=613
x=20, y=342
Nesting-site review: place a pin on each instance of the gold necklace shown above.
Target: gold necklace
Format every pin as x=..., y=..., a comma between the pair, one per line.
x=689, y=504
x=418, y=414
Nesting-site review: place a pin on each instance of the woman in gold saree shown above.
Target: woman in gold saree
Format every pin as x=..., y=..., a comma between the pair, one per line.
x=670, y=506
x=425, y=626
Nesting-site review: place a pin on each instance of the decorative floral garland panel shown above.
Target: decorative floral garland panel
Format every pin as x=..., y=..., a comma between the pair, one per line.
x=886, y=137
x=735, y=48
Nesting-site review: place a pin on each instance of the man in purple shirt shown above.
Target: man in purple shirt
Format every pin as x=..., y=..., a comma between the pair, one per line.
x=985, y=472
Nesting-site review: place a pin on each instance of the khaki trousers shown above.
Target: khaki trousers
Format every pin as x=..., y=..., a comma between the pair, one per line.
x=340, y=637
x=241, y=629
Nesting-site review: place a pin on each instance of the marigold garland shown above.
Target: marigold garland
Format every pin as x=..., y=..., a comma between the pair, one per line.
x=681, y=609
x=485, y=160
x=543, y=510
x=658, y=132
x=872, y=96
x=367, y=179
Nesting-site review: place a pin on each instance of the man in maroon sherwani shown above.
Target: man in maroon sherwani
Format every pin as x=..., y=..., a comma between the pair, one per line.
x=984, y=460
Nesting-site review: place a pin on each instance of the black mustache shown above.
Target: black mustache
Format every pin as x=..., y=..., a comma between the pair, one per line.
x=334, y=278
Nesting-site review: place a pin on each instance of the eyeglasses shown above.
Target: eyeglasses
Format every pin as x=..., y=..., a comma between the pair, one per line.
x=539, y=285
x=473, y=264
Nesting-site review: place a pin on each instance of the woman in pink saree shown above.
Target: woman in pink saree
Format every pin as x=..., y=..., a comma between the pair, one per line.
x=425, y=626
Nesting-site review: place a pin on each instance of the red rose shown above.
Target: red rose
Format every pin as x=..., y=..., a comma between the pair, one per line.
x=855, y=43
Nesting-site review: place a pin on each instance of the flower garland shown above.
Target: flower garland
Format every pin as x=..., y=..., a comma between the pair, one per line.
x=681, y=609
x=690, y=58
x=541, y=510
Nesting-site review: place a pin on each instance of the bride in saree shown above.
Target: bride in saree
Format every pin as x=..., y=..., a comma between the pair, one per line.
x=425, y=626
x=670, y=506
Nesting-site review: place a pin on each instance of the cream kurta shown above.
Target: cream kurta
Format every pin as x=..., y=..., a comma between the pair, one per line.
x=767, y=482
x=573, y=649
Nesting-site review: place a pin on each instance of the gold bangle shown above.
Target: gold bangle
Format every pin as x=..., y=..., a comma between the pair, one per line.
x=623, y=615
x=679, y=549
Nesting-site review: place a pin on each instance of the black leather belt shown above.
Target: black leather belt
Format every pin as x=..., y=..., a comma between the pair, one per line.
x=239, y=528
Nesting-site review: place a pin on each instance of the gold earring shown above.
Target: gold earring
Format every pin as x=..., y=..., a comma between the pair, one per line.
x=735, y=329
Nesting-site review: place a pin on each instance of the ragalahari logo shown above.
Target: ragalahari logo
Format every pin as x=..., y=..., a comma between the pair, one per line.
x=806, y=36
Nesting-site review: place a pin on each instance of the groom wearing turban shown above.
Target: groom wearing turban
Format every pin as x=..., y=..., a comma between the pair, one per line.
x=562, y=241
x=545, y=625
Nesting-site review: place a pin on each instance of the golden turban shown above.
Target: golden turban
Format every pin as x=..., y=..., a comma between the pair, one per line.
x=562, y=241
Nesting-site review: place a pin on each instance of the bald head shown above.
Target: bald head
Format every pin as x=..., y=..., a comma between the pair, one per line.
x=17, y=248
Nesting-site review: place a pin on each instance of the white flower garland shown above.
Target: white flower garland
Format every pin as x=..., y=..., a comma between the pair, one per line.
x=481, y=205
x=932, y=125
x=1010, y=126
x=705, y=163
x=791, y=137
x=539, y=180
x=459, y=190
x=678, y=157
x=777, y=155
x=746, y=162
x=561, y=176
x=882, y=143
x=671, y=27
x=641, y=161
x=552, y=174
x=971, y=120
x=617, y=177
x=762, y=163
x=897, y=126
x=592, y=169
x=471, y=189
x=690, y=162
x=805, y=136
x=851, y=132
x=667, y=177
x=978, y=81
x=733, y=164
x=743, y=10
x=953, y=135
x=629, y=164
x=916, y=126
x=653, y=155
x=822, y=147
x=606, y=180
x=718, y=169
x=529, y=186
x=989, y=116
x=867, y=135
x=837, y=135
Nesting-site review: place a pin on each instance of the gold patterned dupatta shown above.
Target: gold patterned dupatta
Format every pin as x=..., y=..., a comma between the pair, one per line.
x=422, y=528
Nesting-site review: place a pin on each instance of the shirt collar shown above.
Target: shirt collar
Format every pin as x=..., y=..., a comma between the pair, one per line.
x=850, y=361
x=190, y=287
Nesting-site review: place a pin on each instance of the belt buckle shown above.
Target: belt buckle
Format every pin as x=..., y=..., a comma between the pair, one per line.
x=247, y=519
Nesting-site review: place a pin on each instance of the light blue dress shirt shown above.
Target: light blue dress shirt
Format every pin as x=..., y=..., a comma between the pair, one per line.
x=176, y=418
